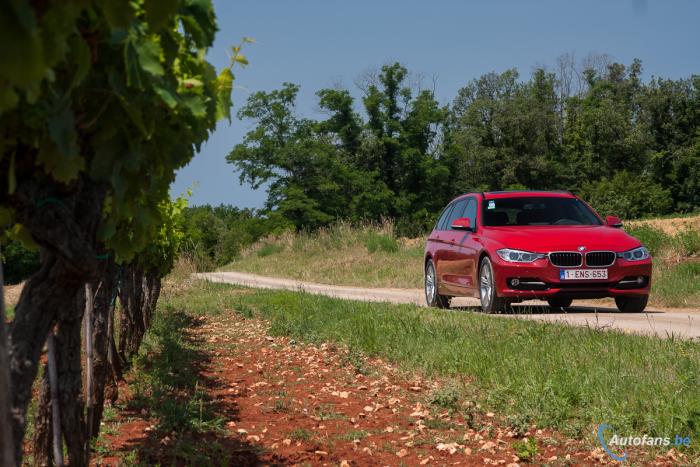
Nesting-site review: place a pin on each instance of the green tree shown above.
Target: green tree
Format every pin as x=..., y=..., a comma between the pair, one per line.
x=506, y=132
x=405, y=156
x=311, y=178
x=343, y=167
x=671, y=116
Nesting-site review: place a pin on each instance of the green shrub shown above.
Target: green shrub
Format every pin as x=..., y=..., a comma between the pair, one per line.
x=678, y=284
x=18, y=262
x=687, y=242
x=526, y=449
x=652, y=238
x=230, y=243
x=269, y=249
x=376, y=241
x=446, y=398
x=628, y=196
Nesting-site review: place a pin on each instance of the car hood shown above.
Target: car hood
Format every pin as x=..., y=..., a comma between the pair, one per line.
x=544, y=239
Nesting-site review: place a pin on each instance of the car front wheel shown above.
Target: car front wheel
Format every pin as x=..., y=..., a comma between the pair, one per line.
x=632, y=304
x=432, y=297
x=490, y=301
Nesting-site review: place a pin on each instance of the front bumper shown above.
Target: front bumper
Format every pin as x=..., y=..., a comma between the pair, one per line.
x=540, y=279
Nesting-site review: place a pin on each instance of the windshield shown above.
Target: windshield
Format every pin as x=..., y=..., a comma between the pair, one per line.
x=537, y=211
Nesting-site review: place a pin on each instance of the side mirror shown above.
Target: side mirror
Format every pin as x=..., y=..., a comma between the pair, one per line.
x=613, y=221
x=462, y=223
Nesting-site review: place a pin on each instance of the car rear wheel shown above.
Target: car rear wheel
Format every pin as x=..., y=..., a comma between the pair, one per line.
x=432, y=297
x=490, y=301
x=632, y=304
x=559, y=302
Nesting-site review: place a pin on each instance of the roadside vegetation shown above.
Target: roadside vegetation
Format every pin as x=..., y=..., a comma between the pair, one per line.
x=372, y=256
x=527, y=372
x=369, y=255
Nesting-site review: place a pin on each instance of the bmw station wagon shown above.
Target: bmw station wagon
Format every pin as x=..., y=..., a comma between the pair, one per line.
x=509, y=246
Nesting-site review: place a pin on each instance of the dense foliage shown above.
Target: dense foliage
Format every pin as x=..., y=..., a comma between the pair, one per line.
x=18, y=261
x=100, y=102
x=630, y=147
x=214, y=236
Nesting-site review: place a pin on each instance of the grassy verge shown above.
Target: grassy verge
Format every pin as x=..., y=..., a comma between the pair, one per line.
x=366, y=256
x=677, y=285
x=571, y=379
x=370, y=256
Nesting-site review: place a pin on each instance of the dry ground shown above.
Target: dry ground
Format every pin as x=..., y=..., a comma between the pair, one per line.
x=286, y=403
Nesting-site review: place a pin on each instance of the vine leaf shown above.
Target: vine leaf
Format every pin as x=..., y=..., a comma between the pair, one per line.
x=223, y=96
x=158, y=12
x=117, y=14
x=149, y=53
x=62, y=130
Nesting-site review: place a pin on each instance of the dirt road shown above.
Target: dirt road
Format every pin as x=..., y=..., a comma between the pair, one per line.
x=663, y=322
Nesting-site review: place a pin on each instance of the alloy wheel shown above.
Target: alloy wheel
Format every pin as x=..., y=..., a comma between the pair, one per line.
x=430, y=288
x=485, y=284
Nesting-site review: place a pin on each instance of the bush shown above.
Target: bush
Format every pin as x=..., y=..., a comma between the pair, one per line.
x=18, y=262
x=416, y=224
x=230, y=243
x=628, y=196
x=652, y=238
x=377, y=241
x=687, y=242
x=269, y=249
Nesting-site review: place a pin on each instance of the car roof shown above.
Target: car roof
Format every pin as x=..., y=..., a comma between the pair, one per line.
x=527, y=194
x=518, y=194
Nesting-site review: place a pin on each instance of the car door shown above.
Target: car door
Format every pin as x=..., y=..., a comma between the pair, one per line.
x=448, y=264
x=436, y=240
x=468, y=248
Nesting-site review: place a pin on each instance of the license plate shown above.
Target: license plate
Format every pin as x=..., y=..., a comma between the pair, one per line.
x=582, y=274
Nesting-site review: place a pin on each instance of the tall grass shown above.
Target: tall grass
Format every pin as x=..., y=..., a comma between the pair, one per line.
x=370, y=255
x=677, y=285
x=365, y=255
x=654, y=239
x=568, y=378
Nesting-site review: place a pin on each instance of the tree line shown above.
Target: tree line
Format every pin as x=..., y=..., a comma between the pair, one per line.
x=631, y=147
x=100, y=102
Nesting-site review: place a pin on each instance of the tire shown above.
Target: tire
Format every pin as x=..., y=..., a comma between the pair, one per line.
x=490, y=301
x=632, y=304
x=432, y=297
x=559, y=302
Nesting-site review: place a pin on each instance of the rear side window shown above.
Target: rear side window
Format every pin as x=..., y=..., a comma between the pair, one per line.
x=457, y=212
x=443, y=217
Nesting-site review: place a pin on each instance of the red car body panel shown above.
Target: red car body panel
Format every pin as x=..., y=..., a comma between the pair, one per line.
x=457, y=255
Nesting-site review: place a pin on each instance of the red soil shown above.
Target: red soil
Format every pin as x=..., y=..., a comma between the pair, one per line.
x=286, y=403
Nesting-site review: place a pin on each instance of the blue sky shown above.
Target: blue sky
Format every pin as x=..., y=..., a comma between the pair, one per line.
x=321, y=43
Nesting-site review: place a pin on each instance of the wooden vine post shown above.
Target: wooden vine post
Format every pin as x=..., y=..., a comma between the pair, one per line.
x=7, y=456
x=57, y=443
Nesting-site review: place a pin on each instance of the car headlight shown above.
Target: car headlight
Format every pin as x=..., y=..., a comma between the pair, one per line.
x=518, y=256
x=635, y=254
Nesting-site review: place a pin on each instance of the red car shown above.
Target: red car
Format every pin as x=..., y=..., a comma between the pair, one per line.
x=509, y=246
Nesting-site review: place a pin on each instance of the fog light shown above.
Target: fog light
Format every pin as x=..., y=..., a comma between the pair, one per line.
x=640, y=280
x=515, y=282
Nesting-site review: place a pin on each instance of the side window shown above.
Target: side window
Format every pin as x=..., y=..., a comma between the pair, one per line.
x=457, y=212
x=470, y=212
x=442, y=222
